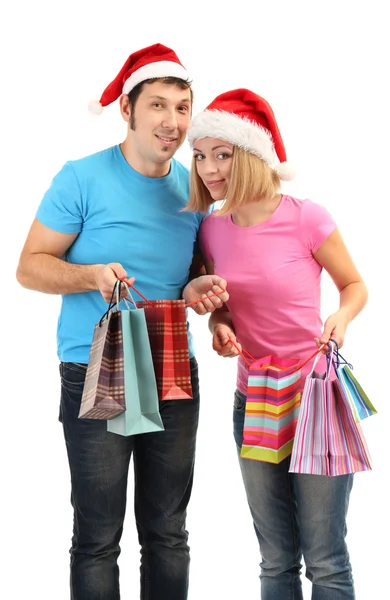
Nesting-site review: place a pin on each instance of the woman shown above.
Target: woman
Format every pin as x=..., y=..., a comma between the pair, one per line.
x=271, y=249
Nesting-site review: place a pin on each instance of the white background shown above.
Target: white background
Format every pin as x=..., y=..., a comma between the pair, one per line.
x=323, y=66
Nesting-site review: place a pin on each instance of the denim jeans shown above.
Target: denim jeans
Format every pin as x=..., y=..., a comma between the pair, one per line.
x=163, y=476
x=297, y=515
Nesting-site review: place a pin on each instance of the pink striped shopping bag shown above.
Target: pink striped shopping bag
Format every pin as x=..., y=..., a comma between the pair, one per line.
x=328, y=441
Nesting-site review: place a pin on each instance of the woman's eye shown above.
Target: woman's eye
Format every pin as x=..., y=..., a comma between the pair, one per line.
x=199, y=157
x=223, y=155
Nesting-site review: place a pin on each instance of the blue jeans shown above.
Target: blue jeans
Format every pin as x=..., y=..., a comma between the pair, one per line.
x=163, y=471
x=294, y=516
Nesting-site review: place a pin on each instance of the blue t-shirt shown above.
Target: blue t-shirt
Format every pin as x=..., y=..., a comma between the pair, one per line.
x=119, y=216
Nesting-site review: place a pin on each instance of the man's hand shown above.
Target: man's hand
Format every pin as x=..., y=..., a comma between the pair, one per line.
x=106, y=278
x=201, y=289
x=221, y=344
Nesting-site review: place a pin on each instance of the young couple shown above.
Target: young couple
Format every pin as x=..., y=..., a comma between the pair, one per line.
x=119, y=214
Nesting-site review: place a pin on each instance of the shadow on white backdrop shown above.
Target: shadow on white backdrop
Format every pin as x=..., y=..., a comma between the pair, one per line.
x=323, y=72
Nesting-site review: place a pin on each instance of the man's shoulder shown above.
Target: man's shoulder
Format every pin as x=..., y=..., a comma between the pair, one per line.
x=94, y=161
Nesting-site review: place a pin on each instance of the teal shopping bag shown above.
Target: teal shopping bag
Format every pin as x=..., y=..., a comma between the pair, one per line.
x=141, y=399
x=361, y=405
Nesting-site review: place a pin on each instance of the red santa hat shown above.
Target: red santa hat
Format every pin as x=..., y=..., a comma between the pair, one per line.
x=149, y=63
x=246, y=120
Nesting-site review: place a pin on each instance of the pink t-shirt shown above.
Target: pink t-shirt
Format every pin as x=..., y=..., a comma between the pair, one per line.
x=273, y=279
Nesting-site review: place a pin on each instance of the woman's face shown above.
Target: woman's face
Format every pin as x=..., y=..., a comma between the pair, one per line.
x=213, y=160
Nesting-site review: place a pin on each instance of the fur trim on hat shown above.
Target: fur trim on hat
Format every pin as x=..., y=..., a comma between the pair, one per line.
x=240, y=132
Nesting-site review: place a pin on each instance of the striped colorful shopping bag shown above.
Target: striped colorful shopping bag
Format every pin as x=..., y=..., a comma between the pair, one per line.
x=271, y=410
x=360, y=403
x=272, y=407
x=328, y=441
x=348, y=451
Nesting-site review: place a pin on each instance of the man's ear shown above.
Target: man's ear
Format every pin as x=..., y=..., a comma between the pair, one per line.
x=125, y=107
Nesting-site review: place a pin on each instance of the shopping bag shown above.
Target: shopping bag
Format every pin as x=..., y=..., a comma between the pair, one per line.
x=104, y=394
x=327, y=440
x=271, y=410
x=360, y=403
x=142, y=409
x=310, y=447
x=348, y=451
x=168, y=335
x=166, y=321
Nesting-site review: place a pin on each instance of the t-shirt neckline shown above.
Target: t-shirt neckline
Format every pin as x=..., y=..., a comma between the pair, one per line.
x=261, y=225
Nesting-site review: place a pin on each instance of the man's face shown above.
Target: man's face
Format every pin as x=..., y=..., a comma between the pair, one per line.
x=159, y=121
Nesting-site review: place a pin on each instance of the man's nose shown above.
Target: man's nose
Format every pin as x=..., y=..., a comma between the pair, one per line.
x=170, y=120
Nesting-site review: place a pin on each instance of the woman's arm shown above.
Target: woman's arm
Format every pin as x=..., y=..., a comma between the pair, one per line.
x=334, y=257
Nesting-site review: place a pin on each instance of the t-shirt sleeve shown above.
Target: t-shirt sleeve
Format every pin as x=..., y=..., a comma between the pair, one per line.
x=316, y=225
x=61, y=207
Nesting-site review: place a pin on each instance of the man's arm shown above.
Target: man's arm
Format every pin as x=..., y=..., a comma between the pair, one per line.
x=197, y=267
x=42, y=268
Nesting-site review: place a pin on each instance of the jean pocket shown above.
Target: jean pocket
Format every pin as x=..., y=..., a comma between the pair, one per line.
x=239, y=401
x=73, y=375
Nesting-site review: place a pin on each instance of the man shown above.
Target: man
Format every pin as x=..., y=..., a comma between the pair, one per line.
x=112, y=215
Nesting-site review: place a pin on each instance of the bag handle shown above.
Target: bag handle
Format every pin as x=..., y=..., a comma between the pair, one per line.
x=336, y=360
x=130, y=285
x=329, y=360
x=126, y=298
x=243, y=352
x=111, y=305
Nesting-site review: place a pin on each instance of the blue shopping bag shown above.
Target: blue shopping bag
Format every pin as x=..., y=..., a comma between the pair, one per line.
x=142, y=413
x=360, y=403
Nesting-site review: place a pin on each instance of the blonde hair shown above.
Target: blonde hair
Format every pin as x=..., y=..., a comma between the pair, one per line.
x=250, y=179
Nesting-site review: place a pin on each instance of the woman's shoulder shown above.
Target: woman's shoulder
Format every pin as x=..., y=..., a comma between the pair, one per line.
x=305, y=206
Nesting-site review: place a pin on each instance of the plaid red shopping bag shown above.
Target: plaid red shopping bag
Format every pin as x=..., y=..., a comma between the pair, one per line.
x=104, y=393
x=328, y=441
x=167, y=326
x=166, y=321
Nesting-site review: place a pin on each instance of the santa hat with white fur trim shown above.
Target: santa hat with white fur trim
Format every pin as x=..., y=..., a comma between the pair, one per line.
x=246, y=120
x=149, y=63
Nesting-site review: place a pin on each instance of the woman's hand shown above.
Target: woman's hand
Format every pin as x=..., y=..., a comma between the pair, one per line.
x=335, y=327
x=222, y=344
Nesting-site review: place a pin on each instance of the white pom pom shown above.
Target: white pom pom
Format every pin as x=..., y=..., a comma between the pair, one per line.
x=95, y=108
x=285, y=171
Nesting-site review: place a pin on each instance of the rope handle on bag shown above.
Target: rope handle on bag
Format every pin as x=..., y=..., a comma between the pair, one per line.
x=243, y=352
x=112, y=304
x=130, y=285
x=336, y=354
